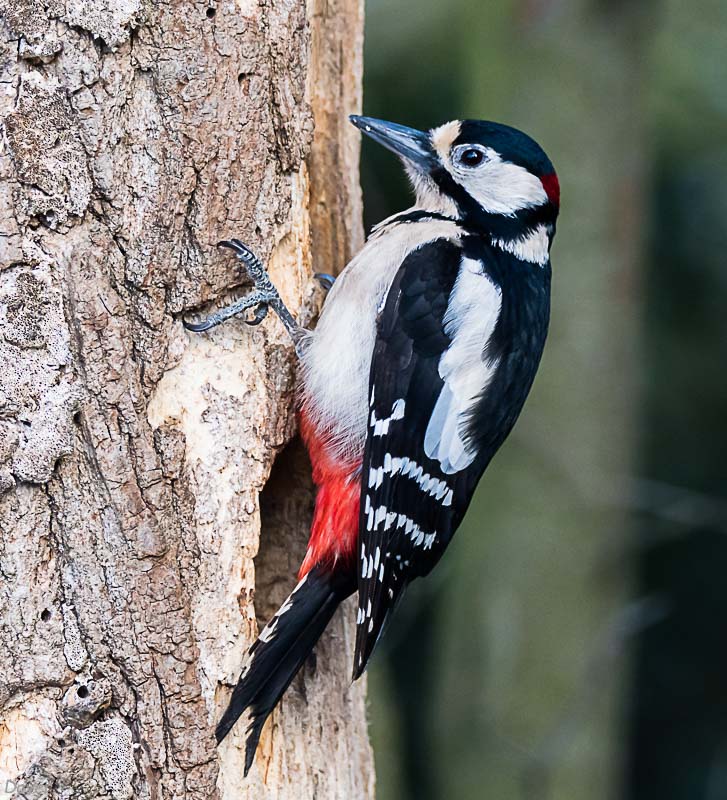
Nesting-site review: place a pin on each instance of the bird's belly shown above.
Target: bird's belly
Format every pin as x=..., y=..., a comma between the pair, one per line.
x=337, y=355
x=335, y=375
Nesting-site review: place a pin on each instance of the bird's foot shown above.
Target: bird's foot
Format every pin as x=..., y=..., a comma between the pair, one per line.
x=325, y=280
x=264, y=297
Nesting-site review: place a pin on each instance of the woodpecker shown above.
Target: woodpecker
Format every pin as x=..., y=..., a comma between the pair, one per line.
x=423, y=355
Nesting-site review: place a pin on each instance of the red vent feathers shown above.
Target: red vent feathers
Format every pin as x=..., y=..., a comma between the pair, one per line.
x=334, y=531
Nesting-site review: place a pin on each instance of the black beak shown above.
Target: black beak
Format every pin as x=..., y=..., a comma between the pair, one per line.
x=408, y=143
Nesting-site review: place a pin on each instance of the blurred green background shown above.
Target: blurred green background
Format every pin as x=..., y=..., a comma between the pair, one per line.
x=572, y=642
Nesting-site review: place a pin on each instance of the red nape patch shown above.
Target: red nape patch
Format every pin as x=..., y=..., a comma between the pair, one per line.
x=552, y=188
x=334, y=531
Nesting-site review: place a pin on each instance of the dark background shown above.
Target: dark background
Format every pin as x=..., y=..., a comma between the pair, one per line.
x=572, y=642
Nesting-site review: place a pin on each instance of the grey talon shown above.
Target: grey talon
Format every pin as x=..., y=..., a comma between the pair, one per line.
x=325, y=280
x=260, y=313
x=197, y=327
x=264, y=297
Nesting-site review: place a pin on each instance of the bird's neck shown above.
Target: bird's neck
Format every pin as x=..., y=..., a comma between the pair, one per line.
x=526, y=234
x=531, y=245
x=430, y=198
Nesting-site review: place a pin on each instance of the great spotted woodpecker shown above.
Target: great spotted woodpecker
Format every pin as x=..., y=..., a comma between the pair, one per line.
x=422, y=358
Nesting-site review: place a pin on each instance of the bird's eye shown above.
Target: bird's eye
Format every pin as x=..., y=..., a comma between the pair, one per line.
x=471, y=157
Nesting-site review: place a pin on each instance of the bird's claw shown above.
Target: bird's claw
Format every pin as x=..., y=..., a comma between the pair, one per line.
x=198, y=327
x=325, y=280
x=260, y=313
x=264, y=297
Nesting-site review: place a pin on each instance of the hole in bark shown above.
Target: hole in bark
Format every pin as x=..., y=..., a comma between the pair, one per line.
x=211, y=12
x=82, y=692
x=243, y=81
x=61, y=742
x=286, y=508
x=49, y=219
x=100, y=42
x=45, y=614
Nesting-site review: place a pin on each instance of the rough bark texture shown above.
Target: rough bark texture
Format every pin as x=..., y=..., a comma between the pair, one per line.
x=133, y=455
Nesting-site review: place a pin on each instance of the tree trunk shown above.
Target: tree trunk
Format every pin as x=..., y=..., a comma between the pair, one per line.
x=135, y=458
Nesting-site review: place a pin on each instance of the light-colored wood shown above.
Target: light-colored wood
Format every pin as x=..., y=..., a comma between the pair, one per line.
x=133, y=455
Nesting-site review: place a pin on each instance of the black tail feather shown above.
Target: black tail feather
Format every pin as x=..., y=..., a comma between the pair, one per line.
x=280, y=650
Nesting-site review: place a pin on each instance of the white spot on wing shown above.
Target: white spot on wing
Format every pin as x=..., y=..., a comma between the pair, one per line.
x=381, y=426
x=427, y=483
x=267, y=633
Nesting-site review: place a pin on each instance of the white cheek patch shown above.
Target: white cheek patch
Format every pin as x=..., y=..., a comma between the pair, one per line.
x=470, y=319
x=501, y=187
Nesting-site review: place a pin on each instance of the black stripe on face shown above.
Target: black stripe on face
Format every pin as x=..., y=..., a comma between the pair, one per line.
x=500, y=226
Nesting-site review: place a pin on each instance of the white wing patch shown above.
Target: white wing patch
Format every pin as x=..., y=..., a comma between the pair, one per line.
x=470, y=319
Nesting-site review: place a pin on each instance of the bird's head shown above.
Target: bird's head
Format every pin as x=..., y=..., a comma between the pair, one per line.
x=492, y=177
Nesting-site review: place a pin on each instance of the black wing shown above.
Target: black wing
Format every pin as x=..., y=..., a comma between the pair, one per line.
x=399, y=521
x=412, y=504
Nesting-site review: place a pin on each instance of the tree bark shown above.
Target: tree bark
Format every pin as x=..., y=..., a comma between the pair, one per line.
x=135, y=459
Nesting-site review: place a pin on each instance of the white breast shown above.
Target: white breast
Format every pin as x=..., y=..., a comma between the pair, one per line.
x=337, y=354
